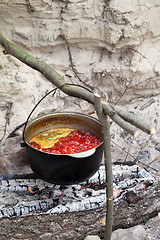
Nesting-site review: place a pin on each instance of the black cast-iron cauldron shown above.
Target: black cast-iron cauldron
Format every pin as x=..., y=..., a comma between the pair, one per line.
x=64, y=168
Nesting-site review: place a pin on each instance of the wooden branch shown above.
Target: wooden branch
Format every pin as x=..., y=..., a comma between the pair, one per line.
x=72, y=64
x=134, y=120
x=73, y=91
x=108, y=166
x=8, y=113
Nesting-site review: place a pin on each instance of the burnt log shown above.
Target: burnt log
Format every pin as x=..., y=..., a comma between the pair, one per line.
x=77, y=225
x=129, y=210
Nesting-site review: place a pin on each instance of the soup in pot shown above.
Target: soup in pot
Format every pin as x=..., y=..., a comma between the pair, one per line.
x=64, y=141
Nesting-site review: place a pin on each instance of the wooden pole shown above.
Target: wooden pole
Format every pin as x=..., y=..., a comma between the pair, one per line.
x=108, y=165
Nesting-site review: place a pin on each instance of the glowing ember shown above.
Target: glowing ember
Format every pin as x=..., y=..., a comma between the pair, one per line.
x=30, y=190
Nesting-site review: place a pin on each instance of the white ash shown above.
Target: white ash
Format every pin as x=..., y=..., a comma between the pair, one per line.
x=16, y=200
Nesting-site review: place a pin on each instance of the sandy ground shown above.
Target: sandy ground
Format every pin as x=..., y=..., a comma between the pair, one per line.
x=145, y=148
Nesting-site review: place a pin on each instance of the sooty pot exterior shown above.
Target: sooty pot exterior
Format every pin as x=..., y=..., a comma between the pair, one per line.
x=64, y=169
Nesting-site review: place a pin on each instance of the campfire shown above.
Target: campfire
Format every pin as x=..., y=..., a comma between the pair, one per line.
x=24, y=194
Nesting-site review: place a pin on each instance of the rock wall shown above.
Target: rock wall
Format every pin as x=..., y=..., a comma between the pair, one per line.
x=113, y=45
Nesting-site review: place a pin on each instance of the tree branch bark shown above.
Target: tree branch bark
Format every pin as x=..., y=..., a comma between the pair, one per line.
x=123, y=119
x=108, y=166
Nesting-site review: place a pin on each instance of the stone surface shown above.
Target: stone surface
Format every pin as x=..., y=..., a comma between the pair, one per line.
x=13, y=158
x=152, y=228
x=134, y=233
x=46, y=236
x=92, y=237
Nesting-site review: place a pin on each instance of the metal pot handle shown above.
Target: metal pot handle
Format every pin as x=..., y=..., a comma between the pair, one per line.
x=53, y=90
x=25, y=125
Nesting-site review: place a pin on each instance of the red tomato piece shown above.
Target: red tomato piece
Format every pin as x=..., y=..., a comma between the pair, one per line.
x=74, y=142
x=35, y=145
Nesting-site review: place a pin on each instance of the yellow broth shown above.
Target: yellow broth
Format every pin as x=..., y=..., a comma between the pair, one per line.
x=47, y=139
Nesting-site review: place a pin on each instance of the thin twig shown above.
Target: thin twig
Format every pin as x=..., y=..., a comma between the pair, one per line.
x=29, y=6
x=136, y=160
x=129, y=148
x=155, y=79
x=153, y=160
x=143, y=147
x=130, y=82
x=137, y=52
x=8, y=113
x=72, y=64
x=125, y=90
x=147, y=104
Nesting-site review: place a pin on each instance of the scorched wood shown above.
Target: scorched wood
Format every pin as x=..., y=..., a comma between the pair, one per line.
x=76, y=225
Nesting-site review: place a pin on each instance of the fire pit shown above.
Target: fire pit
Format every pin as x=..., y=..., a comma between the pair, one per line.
x=78, y=206
x=23, y=195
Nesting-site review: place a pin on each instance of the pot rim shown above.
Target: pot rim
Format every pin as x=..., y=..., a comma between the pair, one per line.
x=74, y=155
x=40, y=116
